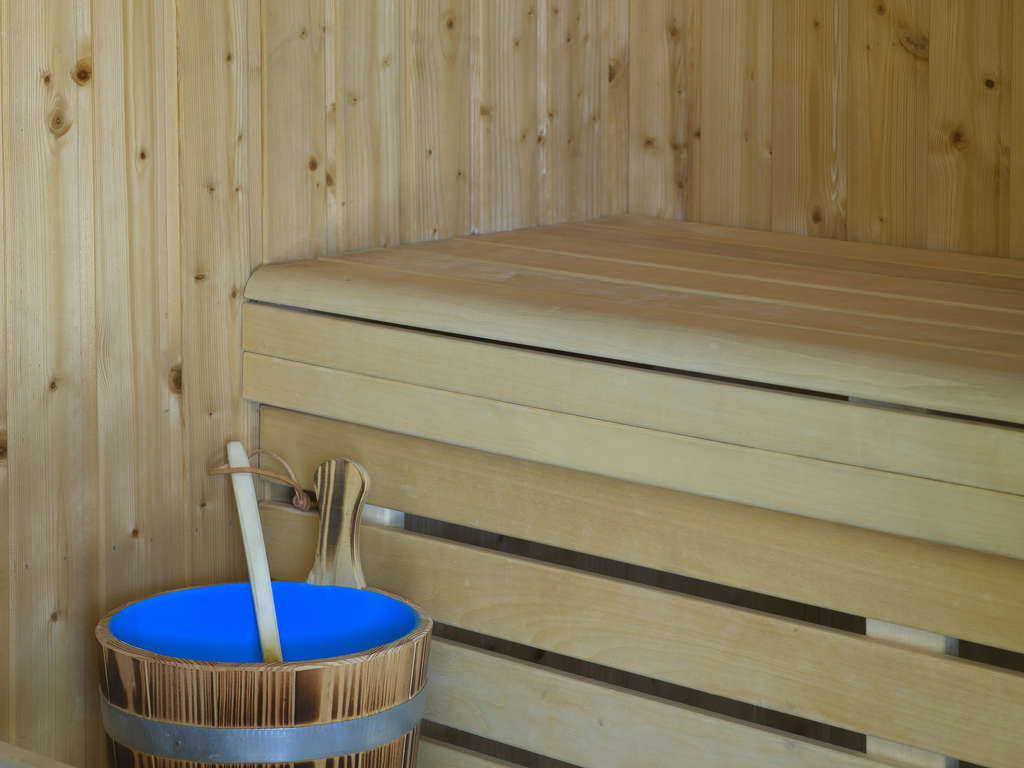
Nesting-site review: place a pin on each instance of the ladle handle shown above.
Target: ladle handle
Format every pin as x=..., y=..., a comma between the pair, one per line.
x=341, y=488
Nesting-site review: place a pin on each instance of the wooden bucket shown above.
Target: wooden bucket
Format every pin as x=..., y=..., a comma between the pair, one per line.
x=183, y=685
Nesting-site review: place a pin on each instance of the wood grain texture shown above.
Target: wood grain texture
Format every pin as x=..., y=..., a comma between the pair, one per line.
x=215, y=236
x=504, y=116
x=436, y=156
x=952, y=450
x=341, y=487
x=810, y=561
x=366, y=173
x=827, y=675
x=582, y=722
x=6, y=634
x=436, y=754
x=51, y=356
x=615, y=106
x=294, y=129
x=14, y=757
x=659, y=88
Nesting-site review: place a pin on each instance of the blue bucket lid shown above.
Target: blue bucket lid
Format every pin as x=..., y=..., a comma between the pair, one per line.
x=218, y=623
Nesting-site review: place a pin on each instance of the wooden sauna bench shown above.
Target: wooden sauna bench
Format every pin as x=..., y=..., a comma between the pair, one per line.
x=831, y=423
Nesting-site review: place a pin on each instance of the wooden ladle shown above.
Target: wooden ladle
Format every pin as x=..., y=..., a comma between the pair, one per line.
x=341, y=487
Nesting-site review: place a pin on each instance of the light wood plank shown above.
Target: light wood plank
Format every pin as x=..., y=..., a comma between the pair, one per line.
x=294, y=126
x=736, y=115
x=840, y=567
x=659, y=149
x=13, y=757
x=945, y=449
x=50, y=355
x=504, y=114
x=726, y=296
x=436, y=156
x=968, y=269
x=368, y=138
x=809, y=71
x=823, y=674
x=615, y=106
x=645, y=325
x=892, y=751
x=6, y=636
x=1016, y=200
x=592, y=724
x=572, y=148
x=743, y=264
x=964, y=148
x=215, y=195
x=899, y=504
x=435, y=754
x=888, y=186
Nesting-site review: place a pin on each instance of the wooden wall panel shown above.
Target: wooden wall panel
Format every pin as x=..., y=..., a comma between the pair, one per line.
x=895, y=122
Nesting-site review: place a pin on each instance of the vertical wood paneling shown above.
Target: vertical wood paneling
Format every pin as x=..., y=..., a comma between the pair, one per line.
x=6, y=619
x=213, y=106
x=294, y=130
x=659, y=157
x=965, y=88
x=365, y=175
x=573, y=155
x=1016, y=86
x=49, y=334
x=734, y=183
x=809, y=117
x=503, y=114
x=615, y=107
x=435, y=170
x=888, y=122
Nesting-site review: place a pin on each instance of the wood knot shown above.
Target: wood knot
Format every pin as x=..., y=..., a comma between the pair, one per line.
x=650, y=142
x=880, y=9
x=142, y=154
x=47, y=78
x=303, y=33
x=430, y=152
x=53, y=385
x=990, y=83
x=673, y=30
x=228, y=57
x=174, y=379
x=313, y=164
x=915, y=45
x=3, y=444
x=696, y=134
x=485, y=110
x=57, y=121
x=329, y=178
x=816, y=23
x=82, y=73
x=449, y=23
x=54, y=616
x=958, y=139
x=211, y=188
x=135, y=533
x=234, y=293
x=199, y=276
x=676, y=146
x=613, y=69
x=816, y=215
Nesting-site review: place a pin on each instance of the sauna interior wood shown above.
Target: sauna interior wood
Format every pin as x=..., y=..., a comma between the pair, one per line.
x=720, y=456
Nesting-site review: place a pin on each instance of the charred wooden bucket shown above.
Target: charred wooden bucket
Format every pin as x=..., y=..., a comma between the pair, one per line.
x=182, y=681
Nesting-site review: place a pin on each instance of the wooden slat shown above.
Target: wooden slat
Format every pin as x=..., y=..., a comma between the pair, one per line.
x=504, y=116
x=615, y=106
x=591, y=724
x=836, y=566
x=294, y=148
x=6, y=638
x=971, y=268
x=823, y=674
x=215, y=195
x=571, y=153
x=1016, y=249
x=899, y=504
x=888, y=154
x=51, y=368
x=916, y=444
x=646, y=325
x=659, y=85
x=13, y=757
x=742, y=267
x=736, y=115
x=435, y=754
x=366, y=178
x=435, y=143
x=809, y=126
x=964, y=179
x=726, y=296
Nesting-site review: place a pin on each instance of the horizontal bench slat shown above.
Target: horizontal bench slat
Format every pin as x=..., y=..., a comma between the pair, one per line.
x=840, y=567
x=872, y=499
x=595, y=725
x=962, y=267
x=434, y=754
x=822, y=674
x=947, y=324
x=947, y=449
x=653, y=329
